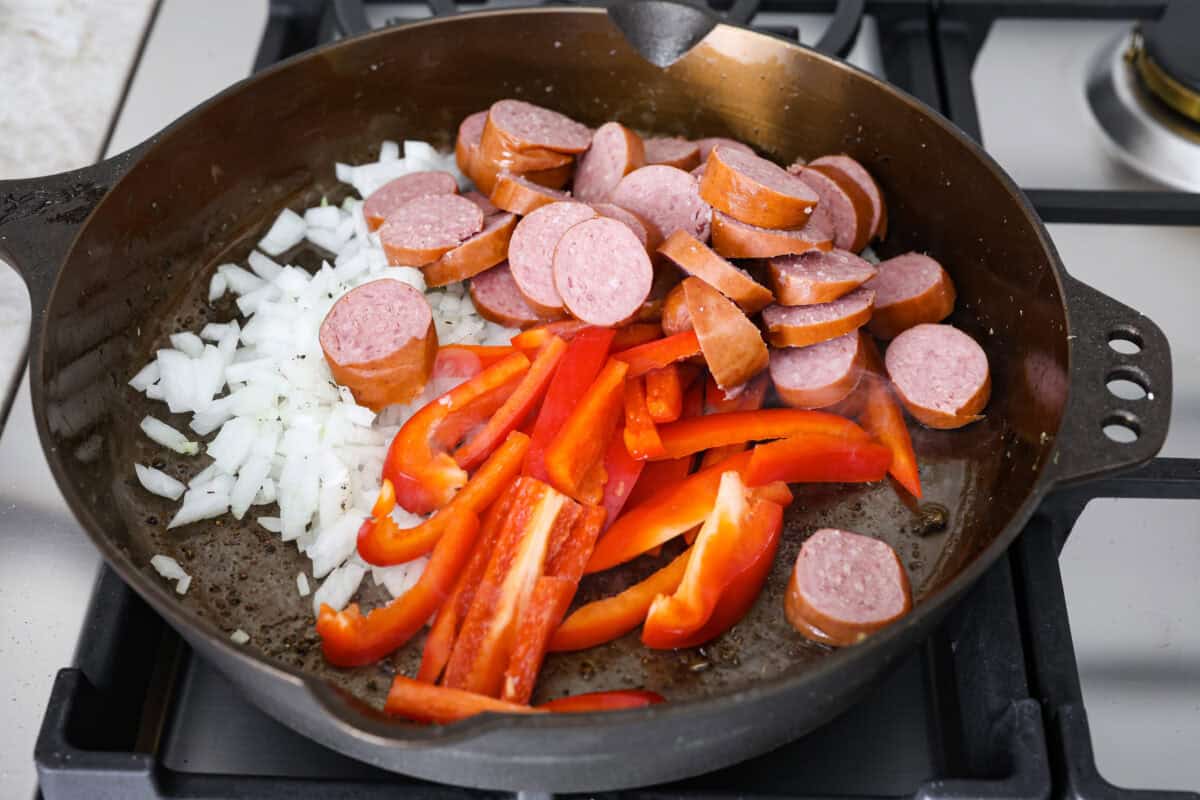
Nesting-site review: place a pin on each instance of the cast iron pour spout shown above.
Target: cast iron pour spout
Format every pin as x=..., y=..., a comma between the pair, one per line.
x=663, y=31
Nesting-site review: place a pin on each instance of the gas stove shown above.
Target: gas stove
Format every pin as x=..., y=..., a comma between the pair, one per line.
x=1003, y=702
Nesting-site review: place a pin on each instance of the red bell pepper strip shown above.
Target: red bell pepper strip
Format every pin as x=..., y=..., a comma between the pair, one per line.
x=577, y=369
x=689, y=436
x=516, y=408
x=641, y=434
x=882, y=417
x=817, y=458
x=733, y=537
x=425, y=477
x=635, y=334
x=664, y=393
x=660, y=353
x=467, y=360
x=583, y=437
x=603, y=701
x=658, y=474
x=622, y=471
x=749, y=399
x=602, y=621
x=488, y=635
x=535, y=338
x=349, y=639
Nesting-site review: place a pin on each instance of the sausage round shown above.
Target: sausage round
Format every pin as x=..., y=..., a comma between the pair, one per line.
x=675, y=316
x=755, y=190
x=818, y=277
x=483, y=171
x=731, y=344
x=496, y=298
x=423, y=230
x=531, y=252
x=695, y=258
x=818, y=375
x=395, y=193
x=615, y=152
x=847, y=204
x=380, y=342
x=602, y=272
x=484, y=204
x=800, y=326
x=941, y=375
x=845, y=586
x=482, y=251
x=706, y=146
x=633, y=221
x=665, y=197
x=673, y=151
x=735, y=239
x=520, y=195
x=910, y=289
x=857, y=173
x=525, y=126
x=466, y=144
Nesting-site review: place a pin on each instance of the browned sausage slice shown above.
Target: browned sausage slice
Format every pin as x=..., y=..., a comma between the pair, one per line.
x=818, y=375
x=673, y=151
x=845, y=586
x=706, y=146
x=482, y=251
x=466, y=145
x=941, y=375
x=423, y=230
x=857, y=173
x=522, y=196
x=395, y=193
x=531, y=252
x=380, y=342
x=818, y=277
x=635, y=223
x=675, y=316
x=602, y=271
x=696, y=259
x=847, y=204
x=484, y=204
x=615, y=152
x=755, y=190
x=497, y=298
x=735, y=239
x=799, y=326
x=909, y=289
x=665, y=197
x=525, y=126
x=731, y=344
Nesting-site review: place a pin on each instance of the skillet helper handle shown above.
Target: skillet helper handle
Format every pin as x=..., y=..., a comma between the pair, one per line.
x=1100, y=327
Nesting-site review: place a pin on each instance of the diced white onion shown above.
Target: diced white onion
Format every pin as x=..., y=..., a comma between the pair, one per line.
x=169, y=568
x=239, y=636
x=146, y=377
x=339, y=587
x=302, y=584
x=162, y=433
x=158, y=482
x=217, y=286
x=285, y=233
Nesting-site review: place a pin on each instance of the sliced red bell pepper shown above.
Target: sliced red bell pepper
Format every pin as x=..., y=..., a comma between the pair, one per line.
x=664, y=393
x=603, y=701
x=659, y=353
x=349, y=639
x=467, y=360
x=635, y=334
x=689, y=436
x=735, y=534
x=817, y=458
x=535, y=338
x=658, y=474
x=622, y=472
x=883, y=418
x=425, y=477
x=749, y=399
x=488, y=634
x=422, y=702
x=516, y=408
x=577, y=369
x=583, y=437
x=382, y=542
x=641, y=434
x=602, y=621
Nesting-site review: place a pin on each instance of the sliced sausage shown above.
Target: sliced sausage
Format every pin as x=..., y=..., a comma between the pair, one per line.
x=602, y=272
x=395, y=193
x=731, y=344
x=525, y=126
x=673, y=151
x=423, y=230
x=483, y=171
x=531, y=252
x=482, y=251
x=735, y=239
x=633, y=221
x=706, y=146
x=755, y=190
x=800, y=326
x=487, y=172
x=466, y=145
x=818, y=277
x=845, y=586
x=520, y=195
x=497, y=298
x=909, y=289
x=818, y=375
x=380, y=342
x=615, y=152
x=857, y=173
x=695, y=258
x=675, y=316
x=484, y=204
x=847, y=204
x=665, y=197
x=941, y=375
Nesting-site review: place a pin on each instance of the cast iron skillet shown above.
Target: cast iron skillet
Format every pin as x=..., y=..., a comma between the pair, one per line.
x=118, y=255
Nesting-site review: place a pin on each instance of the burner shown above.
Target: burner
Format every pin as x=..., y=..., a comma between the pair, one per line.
x=1169, y=59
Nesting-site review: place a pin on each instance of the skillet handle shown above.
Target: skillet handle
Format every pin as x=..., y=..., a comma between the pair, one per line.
x=1098, y=325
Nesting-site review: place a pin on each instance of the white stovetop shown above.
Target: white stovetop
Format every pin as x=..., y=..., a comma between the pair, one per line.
x=1130, y=568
